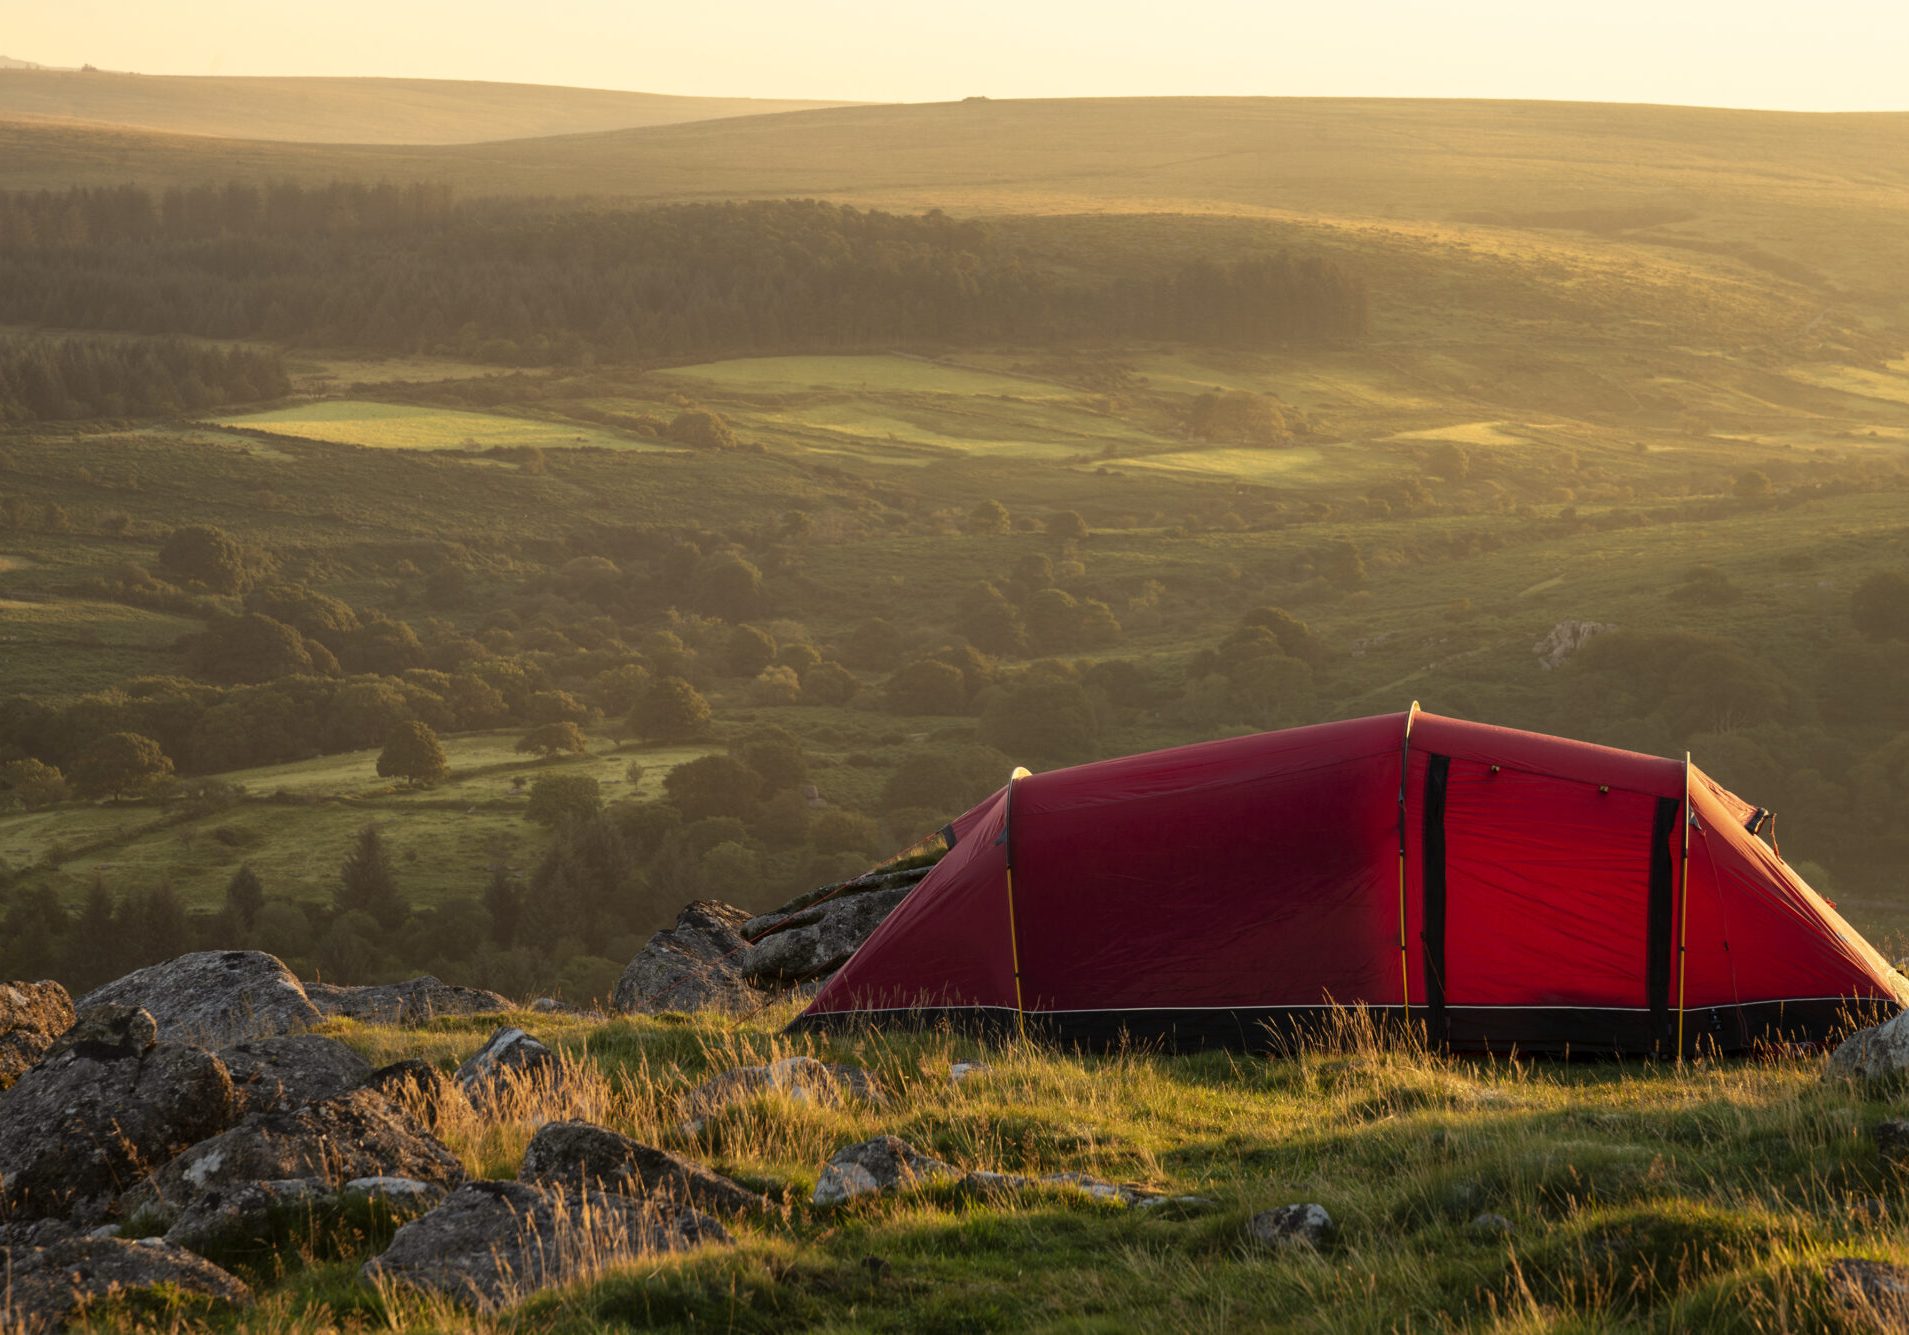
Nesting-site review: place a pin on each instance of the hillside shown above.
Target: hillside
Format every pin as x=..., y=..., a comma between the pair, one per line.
x=1814, y=199
x=349, y=111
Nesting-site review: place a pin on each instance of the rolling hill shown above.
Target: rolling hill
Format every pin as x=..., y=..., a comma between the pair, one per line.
x=1812, y=200
x=349, y=111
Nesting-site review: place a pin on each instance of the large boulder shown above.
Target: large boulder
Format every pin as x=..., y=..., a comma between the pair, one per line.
x=100, y=1109
x=817, y=941
x=492, y=1243
x=277, y=1073
x=49, y=1287
x=1879, y=1054
x=214, y=997
x=579, y=1155
x=418, y=1091
x=415, y=1001
x=694, y=965
x=800, y=1079
x=886, y=1163
x=332, y=1141
x=32, y=1015
x=510, y=1056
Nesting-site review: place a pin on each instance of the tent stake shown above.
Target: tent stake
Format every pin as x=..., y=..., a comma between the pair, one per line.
x=1683, y=910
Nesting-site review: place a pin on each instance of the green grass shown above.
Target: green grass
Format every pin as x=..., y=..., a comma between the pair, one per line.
x=402, y=427
x=1641, y=1197
x=56, y=645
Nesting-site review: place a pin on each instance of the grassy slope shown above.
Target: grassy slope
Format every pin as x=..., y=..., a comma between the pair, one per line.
x=351, y=111
x=1641, y=1197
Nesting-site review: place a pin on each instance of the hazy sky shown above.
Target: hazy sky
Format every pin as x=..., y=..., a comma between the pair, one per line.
x=1830, y=55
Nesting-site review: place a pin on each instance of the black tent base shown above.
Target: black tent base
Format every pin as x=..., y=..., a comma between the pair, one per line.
x=1537, y=1030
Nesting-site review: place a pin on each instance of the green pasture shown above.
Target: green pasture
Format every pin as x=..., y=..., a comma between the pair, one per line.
x=56, y=646
x=400, y=426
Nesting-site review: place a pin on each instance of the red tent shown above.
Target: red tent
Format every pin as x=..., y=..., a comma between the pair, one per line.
x=1503, y=888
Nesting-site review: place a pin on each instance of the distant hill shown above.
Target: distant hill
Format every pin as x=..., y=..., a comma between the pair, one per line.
x=349, y=111
x=9, y=63
x=1811, y=198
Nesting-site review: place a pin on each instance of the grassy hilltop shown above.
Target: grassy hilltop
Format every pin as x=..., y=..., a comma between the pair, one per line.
x=1629, y=1197
x=348, y=111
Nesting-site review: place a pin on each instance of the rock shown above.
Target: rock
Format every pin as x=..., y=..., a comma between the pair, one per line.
x=1092, y=1186
x=214, y=997
x=1289, y=1226
x=1489, y=1225
x=30, y=1233
x=32, y=1015
x=99, y=1110
x=277, y=1073
x=874, y=882
x=332, y=1141
x=492, y=1243
x=817, y=941
x=1565, y=639
x=691, y=966
x=1892, y=1141
x=1876, y=1055
x=886, y=1163
x=802, y=1079
x=245, y=1217
x=419, y=1091
x=415, y=1001
x=405, y=1195
x=579, y=1155
x=1877, y=1291
x=50, y=1286
x=508, y=1056
x=960, y=1071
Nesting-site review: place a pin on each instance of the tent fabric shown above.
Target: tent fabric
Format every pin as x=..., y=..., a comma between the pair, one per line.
x=1504, y=889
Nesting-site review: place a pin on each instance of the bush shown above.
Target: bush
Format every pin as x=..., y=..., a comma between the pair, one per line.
x=670, y=711
x=945, y=780
x=829, y=684
x=713, y=786
x=552, y=739
x=557, y=798
x=120, y=764
x=928, y=687
x=701, y=428
x=1042, y=721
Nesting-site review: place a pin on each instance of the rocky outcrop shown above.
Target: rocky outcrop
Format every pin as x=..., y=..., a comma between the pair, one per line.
x=802, y=1079
x=1876, y=1055
x=332, y=1142
x=272, y=1074
x=492, y=1243
x=580, y=1156
x=691, y=966
x=816, y=942
x=248, y=1217
x=32, y=1015
x=214, y=997
x=1565, y=639
x=1289, y=1226
x=105, y=1105
x=49, y=1287
x=415, y=1090
x=509, y=1056
x=413, y=1002
x=886, y=1163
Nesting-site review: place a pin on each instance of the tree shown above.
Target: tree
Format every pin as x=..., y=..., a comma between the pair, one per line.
x=713, y=786
x=26, y=784
x=557, y=798
x=829, y=684
x=989, y=517
x=549, y=739
x=1880, y=606
x=202, y=554
x=670, y=711
x=120, y=764
x=1042, y=721
x=366, y=883
x=873, y=646
x=749, y=651
x=250, y=648
x=412, y=753
x=702, y=428
x=728, y=586
x=775, y=754
x=504, y=901
x=245, y=896
x=928, y=687
x=1066, y=526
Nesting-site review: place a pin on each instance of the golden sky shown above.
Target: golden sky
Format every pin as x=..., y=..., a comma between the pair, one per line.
x=1827, y=55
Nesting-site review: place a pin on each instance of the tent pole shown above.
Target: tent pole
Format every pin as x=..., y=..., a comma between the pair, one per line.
x=1014, y=939
x=1405, y=976
x=1683, y=909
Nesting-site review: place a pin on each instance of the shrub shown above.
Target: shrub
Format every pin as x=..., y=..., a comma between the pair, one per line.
x=557, y=798
x=550, y=739
x=670, y=711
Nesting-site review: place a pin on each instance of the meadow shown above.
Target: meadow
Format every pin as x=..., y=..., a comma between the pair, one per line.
x=400, y=426
x=1466, y=1193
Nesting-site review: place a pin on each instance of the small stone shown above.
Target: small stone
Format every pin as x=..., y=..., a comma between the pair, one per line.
x=1489, y=1225
x=1305, y=1225
x=509, y=1056
x=961, y=1071
x=886, y=1163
